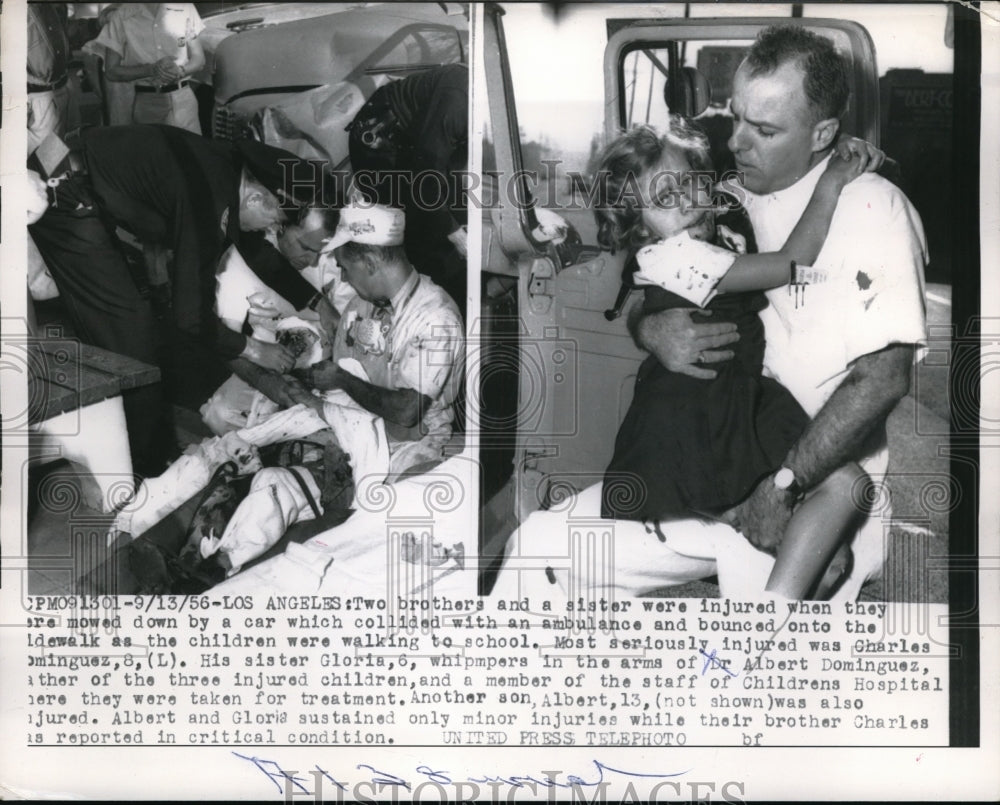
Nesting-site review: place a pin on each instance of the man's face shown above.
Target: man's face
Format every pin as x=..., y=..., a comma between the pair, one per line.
x=357, y=274
x=301, y=243
x=260, y=210
x=773, y=128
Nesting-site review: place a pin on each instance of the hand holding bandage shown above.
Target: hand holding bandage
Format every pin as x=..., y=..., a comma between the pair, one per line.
x=306, y=340
x=684, y=266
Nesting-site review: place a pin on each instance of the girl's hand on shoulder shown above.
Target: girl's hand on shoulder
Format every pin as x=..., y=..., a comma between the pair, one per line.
x=842, y=170
x=848, y=146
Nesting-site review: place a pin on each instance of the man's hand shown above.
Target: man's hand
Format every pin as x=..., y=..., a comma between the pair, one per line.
x=298, y=393
x=683, y=345
x=165, y=71
x=269, y=356
x=763, y=517
x=324, y=376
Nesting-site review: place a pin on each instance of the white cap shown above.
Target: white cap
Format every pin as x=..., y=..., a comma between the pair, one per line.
x=373, y=224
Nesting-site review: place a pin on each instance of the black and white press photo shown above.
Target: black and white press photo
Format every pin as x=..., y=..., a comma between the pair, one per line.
x=498, y=401
x=245, y=317
x=731, y=275
x=757, y=416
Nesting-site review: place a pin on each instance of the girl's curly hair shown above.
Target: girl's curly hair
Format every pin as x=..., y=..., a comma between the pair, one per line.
x=619, y=167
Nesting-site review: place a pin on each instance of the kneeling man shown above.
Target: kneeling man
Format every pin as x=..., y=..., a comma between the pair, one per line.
x=404, y=330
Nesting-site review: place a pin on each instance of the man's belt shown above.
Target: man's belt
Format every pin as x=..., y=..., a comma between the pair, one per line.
x=59, y=83
x=165, y=88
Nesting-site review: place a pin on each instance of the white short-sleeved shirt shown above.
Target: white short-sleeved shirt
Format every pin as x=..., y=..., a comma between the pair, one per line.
x=141, y=36
x=420, y=345
x=872, y=295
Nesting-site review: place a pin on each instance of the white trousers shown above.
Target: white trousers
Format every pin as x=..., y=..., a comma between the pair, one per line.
x=570, y=552
x=178, y=108
x=46, y=115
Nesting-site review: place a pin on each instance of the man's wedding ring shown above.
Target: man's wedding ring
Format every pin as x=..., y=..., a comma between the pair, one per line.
x=700, y=359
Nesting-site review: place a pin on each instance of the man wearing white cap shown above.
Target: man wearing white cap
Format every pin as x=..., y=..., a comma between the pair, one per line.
x=406, y=332
x=398, y=354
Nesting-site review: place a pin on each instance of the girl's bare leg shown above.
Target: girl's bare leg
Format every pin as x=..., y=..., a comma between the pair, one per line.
x=817, y=529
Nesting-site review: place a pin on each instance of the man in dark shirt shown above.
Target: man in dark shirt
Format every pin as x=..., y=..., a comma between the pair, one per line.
x=406, y=144
x=171, y=187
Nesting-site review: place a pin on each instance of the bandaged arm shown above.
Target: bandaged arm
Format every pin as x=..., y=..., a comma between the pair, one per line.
x=759, y=272
x=698, y=271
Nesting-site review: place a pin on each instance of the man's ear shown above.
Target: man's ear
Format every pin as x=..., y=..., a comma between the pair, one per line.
x=824, y=133
x=253, y=199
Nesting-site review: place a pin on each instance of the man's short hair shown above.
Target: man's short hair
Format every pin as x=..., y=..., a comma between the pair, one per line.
x=253, y=185
x=330, y=216
x=370, y=255
x=825, y=73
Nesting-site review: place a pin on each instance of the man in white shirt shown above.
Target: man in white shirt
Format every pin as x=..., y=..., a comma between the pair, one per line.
x=844, y=348
x=49, y=53
x=156, y=46
x=405, y=331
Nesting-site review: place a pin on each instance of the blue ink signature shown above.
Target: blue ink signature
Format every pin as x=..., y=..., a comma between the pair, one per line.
x=711, y=661
x=572, y=779
x=283, y=779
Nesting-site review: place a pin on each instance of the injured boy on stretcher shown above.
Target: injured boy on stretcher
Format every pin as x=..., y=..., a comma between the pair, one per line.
x=372, y=402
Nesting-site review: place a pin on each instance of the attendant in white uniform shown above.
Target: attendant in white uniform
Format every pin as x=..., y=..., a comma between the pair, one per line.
x=406, y=332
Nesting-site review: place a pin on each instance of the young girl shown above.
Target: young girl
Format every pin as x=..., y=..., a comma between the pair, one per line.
x=692, y=446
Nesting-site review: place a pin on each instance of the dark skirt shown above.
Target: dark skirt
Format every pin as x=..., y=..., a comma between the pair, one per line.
x=698, y=447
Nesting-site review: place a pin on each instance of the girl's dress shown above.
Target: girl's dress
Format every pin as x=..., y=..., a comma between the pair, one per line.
x=690, y=446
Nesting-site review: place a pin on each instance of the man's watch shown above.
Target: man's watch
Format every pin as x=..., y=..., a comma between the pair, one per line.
x=784, y=479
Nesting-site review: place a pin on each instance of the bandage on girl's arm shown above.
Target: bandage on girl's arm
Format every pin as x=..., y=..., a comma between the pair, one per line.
x=684, y=266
